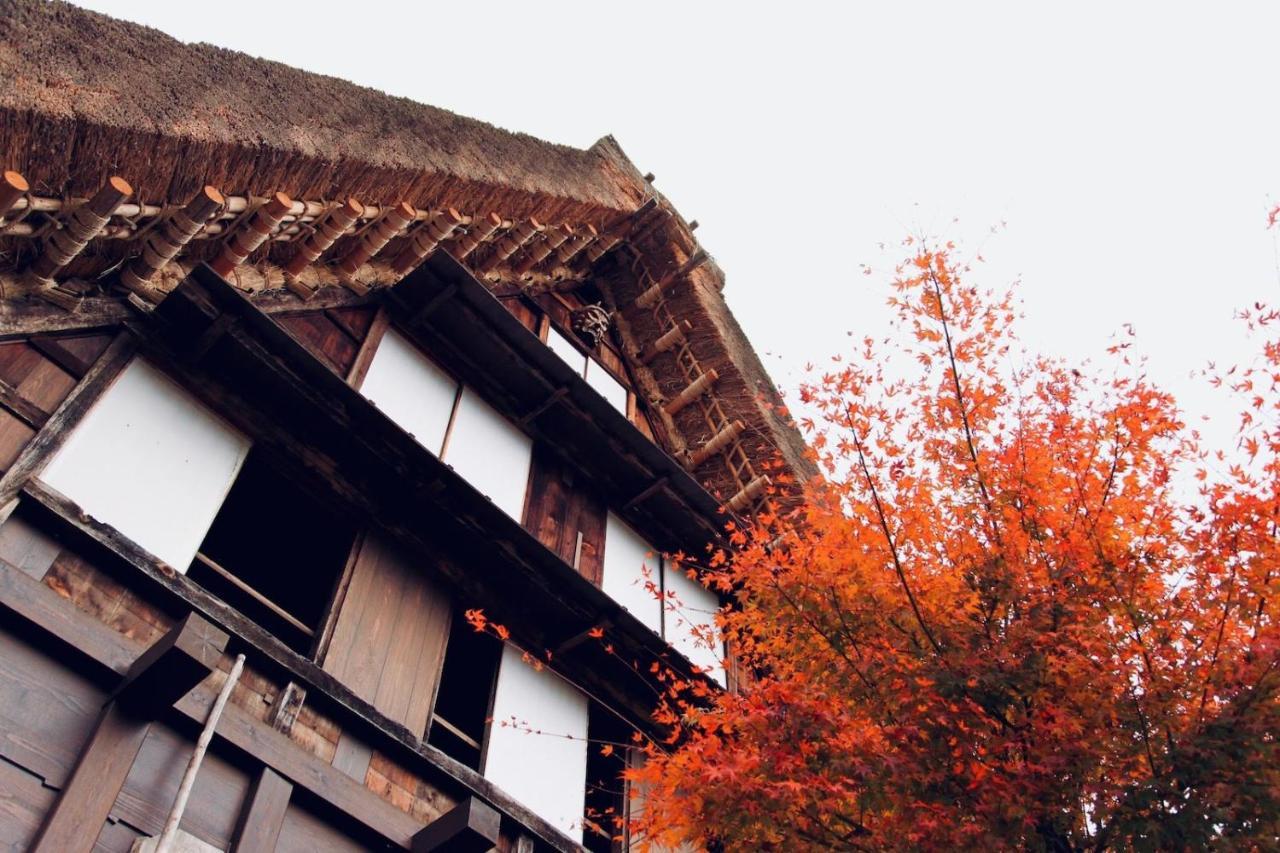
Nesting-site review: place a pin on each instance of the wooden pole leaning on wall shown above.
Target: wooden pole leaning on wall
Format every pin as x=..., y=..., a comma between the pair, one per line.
x=166, y=240
x=695, y=389
x=425, y=239
x=64, y=244
x=326, y=232
x=511, y=242
x=666, y=341
x=538, y=252
x=479, y=231
x=374, y=239
x=749, y=493
x=717, y=444
x=12, y=187
x=251, y=234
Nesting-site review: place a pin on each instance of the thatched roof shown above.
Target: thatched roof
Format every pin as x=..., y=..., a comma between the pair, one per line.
x=84, y=97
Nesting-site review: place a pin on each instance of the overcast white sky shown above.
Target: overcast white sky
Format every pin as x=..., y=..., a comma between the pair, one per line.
x=1132, y=149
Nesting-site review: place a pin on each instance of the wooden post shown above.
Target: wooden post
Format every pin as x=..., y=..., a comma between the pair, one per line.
x=696, y=389
x=252, y=234
x=425, y=239
x=258, y=825
x=164, y=243
x=539, y=251
x=510, y=243
x=327, y=231
x=63, y=245
x=717, y=443
x=469, y=827
x=374, y=239
x=477, y=233
x=12, y=187
x=749, y=492
x=162, y=675
x=666, y=341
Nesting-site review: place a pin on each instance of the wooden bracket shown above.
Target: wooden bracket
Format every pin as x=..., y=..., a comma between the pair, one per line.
x=555, y=396
x=469, y=827
x=174, y=664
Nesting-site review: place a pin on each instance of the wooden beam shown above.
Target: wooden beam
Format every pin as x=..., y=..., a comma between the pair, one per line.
x=695, y=389
x=161, y=675
x=368, y=347
x=251, y=234
x=717, y=443
x=51, y=436
x=469, y=827
x=21, y=408
x=12, y=187
x=53, y=349
x=258, y=825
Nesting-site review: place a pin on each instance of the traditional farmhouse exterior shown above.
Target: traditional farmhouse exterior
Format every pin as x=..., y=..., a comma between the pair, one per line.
x=298, y=383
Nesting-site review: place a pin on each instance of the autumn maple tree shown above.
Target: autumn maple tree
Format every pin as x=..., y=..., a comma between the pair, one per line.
x=1022, y=608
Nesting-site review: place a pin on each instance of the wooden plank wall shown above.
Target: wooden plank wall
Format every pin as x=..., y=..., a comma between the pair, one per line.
x=389, y=641
x=47, y=711
x=35, y=376
x=333, y=335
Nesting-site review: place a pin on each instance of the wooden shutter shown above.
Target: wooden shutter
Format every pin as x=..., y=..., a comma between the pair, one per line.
x=559, y=509
x=389, y=638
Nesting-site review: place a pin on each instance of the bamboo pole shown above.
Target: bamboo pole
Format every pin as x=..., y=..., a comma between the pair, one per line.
x=601, y=247
x=164, y=243
x=165, y=843
x=252, y=234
